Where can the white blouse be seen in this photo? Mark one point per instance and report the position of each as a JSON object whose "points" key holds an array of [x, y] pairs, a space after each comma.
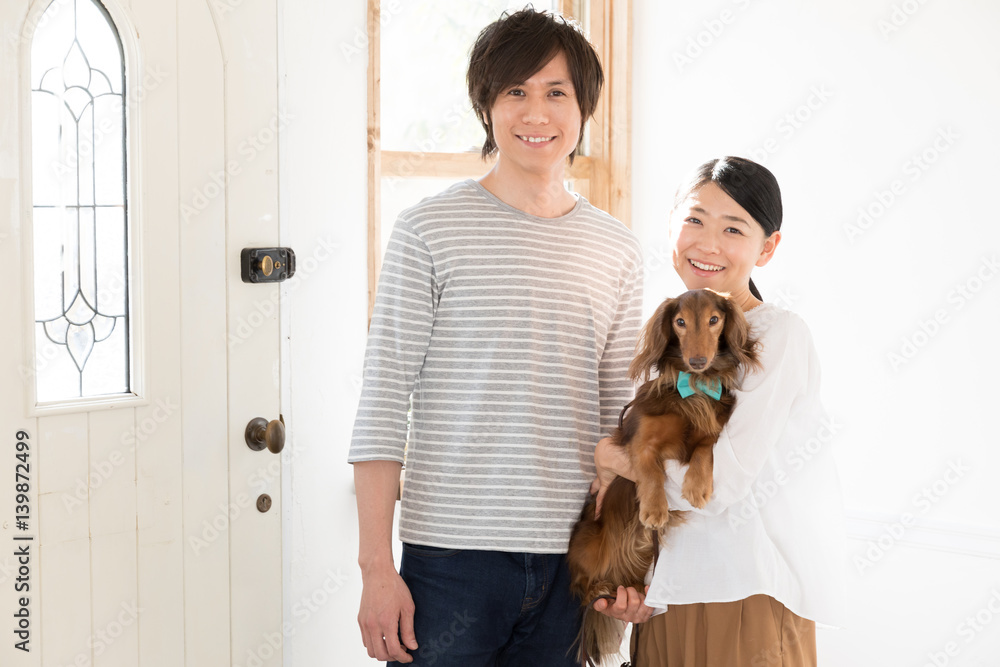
{"points": [[775, 523]]}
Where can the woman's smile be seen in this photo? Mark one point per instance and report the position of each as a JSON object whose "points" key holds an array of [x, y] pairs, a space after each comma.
{"points": [[705, 267]]}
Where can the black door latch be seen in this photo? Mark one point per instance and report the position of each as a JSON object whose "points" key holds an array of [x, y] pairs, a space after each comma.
{"points": [[267, 265]]}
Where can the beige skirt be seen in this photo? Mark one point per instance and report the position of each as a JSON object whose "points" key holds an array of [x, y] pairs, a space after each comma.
{"points": [[756, 632]]}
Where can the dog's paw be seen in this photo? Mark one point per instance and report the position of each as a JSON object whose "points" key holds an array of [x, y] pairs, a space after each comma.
{"points": [[697, 493], [654, 515]]}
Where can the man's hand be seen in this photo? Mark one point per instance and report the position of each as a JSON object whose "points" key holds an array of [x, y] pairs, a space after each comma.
{"points": [[386, 615], [629, 606], [612, 461]]}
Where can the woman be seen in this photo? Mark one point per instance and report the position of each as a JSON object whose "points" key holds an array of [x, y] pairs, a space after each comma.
{"points": [[745, 579]]}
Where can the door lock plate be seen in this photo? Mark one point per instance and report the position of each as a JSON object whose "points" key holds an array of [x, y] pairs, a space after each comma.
{"points": [[267, 265]]}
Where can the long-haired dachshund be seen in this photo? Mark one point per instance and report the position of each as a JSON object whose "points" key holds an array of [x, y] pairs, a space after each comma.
{"points": [[698, 344]]}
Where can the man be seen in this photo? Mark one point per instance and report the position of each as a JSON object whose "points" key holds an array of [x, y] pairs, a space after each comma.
{"points": [[508, 309]]}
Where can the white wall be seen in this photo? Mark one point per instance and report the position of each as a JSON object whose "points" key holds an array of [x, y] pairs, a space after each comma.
{"points": [[324, 213], [845, 102], [877, 102]]}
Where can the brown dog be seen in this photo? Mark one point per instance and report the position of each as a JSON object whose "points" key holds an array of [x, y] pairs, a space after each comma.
{"points": [[698, 344]]}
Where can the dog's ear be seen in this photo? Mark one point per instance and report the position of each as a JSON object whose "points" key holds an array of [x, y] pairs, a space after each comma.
{"points": [[653, 341], [737, 335]]}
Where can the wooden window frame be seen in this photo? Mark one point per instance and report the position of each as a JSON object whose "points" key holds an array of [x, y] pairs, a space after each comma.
{"points": [[603, 175]]}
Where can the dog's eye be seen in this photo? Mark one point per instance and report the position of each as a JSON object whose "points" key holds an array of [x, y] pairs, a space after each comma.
{"points": [[680, 322], [714, 320]]}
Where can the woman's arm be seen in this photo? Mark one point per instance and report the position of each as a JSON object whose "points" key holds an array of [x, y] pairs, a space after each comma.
{"points": [[790, 376]]}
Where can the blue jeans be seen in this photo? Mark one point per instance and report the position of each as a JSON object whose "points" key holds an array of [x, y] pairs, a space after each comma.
{"points": [[490, 608]]}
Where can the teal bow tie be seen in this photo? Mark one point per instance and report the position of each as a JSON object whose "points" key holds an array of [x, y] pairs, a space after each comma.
{"points": [[684, 388]]}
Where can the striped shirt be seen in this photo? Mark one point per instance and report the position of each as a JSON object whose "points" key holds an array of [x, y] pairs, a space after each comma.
{"points": [[513, 334]]}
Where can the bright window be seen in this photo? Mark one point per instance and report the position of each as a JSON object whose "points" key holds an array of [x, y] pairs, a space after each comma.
{"points": [[80, 220], [425, 52], [423, 134]]}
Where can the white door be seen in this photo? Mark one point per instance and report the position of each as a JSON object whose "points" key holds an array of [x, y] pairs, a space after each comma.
{"points": [[129, 527]]}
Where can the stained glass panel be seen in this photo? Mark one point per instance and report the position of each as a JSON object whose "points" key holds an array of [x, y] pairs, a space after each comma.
{"points": [[80, 221]]}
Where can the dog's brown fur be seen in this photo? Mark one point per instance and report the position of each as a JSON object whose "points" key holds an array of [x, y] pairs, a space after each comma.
{"points": [[701, 332]]}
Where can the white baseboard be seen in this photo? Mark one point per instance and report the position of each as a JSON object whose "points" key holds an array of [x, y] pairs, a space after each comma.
{"points": [[967, 540]]}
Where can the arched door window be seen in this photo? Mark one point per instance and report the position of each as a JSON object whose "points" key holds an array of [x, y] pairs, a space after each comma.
{"points": [[80, 223]]}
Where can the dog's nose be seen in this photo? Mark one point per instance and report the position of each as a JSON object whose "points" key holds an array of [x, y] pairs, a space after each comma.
{"points": [[697, 363]]}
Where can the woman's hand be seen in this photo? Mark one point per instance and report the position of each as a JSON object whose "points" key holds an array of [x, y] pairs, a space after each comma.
{"points": [[629, 606], [611, 461]]}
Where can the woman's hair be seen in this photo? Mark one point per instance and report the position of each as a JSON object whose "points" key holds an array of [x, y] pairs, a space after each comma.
{"points": [[750, 185], [516, 46]]}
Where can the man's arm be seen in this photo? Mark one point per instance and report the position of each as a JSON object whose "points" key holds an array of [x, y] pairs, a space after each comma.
{"points": [[615, 387], [609, 459], [386, 613], [397, 342]]}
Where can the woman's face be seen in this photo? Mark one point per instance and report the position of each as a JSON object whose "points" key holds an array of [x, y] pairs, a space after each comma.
{"points": [[716, 243]]}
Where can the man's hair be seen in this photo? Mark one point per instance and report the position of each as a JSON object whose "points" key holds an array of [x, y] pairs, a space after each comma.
{"points": [[516, 46]]}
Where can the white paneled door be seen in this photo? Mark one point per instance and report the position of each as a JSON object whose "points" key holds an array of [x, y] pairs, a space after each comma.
{"points": [[133, 356]]}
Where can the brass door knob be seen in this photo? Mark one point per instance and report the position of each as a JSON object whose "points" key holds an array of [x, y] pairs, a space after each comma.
{"points": [[261, 433]]}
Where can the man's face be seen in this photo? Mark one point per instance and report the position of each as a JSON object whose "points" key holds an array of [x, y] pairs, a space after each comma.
{"points": [[536, 124]]}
